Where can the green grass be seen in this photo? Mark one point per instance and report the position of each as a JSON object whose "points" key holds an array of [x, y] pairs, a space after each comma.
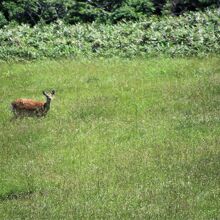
{"points": [[124, 139]]}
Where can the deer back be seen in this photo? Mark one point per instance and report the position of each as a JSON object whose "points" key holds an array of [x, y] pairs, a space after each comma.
{"points": [[28, 107]]}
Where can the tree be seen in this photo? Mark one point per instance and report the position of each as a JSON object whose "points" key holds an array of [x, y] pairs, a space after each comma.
{"points": [[180, 6], [82, 11], [107, 5], [73, 11], [133, 10], [3, 20], [32, 11]]}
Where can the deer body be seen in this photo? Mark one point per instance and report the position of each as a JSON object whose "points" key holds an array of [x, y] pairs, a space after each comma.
{"points": [[29, 107]]}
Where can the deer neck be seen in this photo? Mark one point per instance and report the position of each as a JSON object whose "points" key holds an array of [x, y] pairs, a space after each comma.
{"points": [[47, 105]]}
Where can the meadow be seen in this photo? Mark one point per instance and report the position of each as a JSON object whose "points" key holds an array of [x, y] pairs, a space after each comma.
{"points": [[124, 139]]}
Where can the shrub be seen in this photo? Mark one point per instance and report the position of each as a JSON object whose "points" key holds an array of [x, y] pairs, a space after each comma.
{"points": [[191, 34], [3, 20]]}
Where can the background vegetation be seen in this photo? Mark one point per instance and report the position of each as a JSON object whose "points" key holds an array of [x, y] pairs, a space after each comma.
{"points": [[196, 33], [124, 139], [47, 11]]}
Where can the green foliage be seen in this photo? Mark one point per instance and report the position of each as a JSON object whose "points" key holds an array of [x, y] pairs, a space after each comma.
{"points": [[140, 6], [124, 139], [180, 6], [125, 13], [191, 34], [84, 11], [133, 10], [3, 20], [31, 12], [107, 5]]}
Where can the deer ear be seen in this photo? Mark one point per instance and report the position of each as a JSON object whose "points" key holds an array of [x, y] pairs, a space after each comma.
{"points": [[44, 93], [53, 92]]}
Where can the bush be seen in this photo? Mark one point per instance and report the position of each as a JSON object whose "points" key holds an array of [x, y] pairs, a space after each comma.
{"points": [[133, 10], [83, 11], [3, 20], [191, 34]]}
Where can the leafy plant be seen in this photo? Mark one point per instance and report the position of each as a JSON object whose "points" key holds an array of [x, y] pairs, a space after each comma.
{"points": [[195, 33], [3, 20]]}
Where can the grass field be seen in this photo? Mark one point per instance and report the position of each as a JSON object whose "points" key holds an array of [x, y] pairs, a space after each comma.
{"points": [[124, 139]]}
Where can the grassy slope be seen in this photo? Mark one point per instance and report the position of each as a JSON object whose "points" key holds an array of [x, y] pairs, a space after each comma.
{"points": [[123, 139]]}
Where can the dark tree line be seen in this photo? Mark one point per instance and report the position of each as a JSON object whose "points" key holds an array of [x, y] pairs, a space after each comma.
{"points": [[106, 11]]}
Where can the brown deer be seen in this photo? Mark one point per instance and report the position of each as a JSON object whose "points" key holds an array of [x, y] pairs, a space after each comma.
{"points": [[29, 107]]}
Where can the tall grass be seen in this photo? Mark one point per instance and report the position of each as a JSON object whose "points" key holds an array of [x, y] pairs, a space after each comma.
{"points": [[124, 139]]}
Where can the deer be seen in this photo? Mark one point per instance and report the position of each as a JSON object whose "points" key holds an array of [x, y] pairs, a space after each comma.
{"points": [[29, 107]]}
